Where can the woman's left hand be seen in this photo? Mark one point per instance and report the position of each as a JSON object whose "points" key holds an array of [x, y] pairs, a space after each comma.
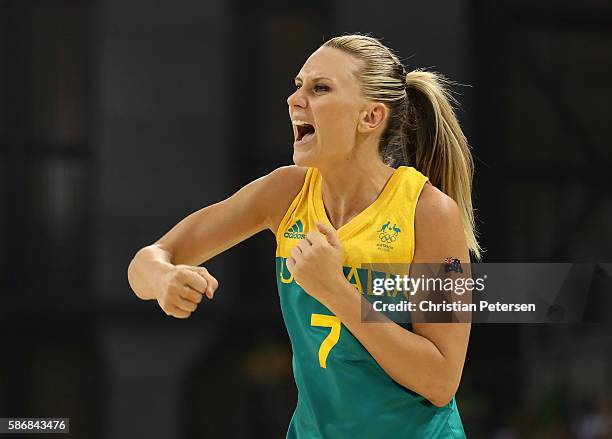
{"points": [[316, 262]]}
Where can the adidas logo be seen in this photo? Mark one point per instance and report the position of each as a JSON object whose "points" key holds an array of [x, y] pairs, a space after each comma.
{"points": [[296, 231]]}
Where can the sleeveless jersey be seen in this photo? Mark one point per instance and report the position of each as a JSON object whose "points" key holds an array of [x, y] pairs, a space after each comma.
{"points": [[342, 391]]}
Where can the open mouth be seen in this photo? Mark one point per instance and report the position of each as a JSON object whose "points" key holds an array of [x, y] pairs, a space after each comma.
{"points": [[304, 133]]}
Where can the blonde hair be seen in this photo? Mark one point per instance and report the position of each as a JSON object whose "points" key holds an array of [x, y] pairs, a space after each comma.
{"points": [[422, 127]]}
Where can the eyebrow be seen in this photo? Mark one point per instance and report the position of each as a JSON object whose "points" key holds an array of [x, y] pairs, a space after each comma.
{"points": [[297, 78]]}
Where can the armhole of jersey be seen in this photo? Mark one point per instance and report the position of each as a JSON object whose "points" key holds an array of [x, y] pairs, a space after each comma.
{"points": [[419, 191], [293, 205]]}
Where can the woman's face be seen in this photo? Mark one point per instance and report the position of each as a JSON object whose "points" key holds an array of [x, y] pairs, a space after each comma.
{"points": [[328, 98]]}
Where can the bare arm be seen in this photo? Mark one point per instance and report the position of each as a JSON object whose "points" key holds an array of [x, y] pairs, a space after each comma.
{"points": [[211, 230], [440, 234]]}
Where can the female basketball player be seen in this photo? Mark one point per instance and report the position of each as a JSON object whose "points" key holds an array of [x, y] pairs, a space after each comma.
{"points": [[342, 205]]}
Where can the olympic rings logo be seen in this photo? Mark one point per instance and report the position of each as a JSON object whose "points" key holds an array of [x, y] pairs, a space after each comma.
{"points": [[388, 233], [386, 237]]}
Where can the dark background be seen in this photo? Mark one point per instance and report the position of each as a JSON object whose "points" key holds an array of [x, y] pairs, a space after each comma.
{"points": [[119, 118]]}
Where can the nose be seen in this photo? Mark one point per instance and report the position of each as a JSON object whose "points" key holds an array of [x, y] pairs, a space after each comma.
{"points": [[296, 99]]}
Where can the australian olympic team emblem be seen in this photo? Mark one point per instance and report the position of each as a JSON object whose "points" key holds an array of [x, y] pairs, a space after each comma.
{"points": [[388, 233]]}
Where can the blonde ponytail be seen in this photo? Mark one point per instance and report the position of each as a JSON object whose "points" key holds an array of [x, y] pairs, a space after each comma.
{"points": [[436, 145]]}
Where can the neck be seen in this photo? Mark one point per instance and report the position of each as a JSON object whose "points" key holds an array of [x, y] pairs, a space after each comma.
{"points": [[350, 187]]}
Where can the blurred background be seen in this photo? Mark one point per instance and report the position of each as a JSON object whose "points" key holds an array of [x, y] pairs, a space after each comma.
{"points": [[118, 119]]}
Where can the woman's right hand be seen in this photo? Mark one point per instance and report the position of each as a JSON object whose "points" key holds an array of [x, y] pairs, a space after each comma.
{"points": [[182, 289], [169, 269]]}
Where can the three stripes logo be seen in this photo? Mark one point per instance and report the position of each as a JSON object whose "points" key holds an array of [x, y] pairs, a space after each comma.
{"points": [[296, 231]]}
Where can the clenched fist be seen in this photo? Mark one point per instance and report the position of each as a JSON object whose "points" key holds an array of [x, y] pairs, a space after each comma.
{"points": [[316, 262], [182, 290]]}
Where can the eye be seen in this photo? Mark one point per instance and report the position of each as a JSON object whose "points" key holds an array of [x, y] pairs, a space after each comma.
{"points": [[319, 87]]}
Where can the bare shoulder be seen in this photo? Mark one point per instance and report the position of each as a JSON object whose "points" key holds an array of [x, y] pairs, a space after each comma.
{"points": [[438, 226], [278, 189], [291, 175], [435, 205]]}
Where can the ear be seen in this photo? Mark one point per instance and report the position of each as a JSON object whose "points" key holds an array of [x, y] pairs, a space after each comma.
{"points": [[372, 117]]}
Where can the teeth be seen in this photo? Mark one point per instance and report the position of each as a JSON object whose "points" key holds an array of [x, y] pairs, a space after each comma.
{"points": [[300, 123]]}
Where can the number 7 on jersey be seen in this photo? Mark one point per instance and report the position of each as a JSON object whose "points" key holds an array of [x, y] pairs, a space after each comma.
{"points": [[330, 341]]}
